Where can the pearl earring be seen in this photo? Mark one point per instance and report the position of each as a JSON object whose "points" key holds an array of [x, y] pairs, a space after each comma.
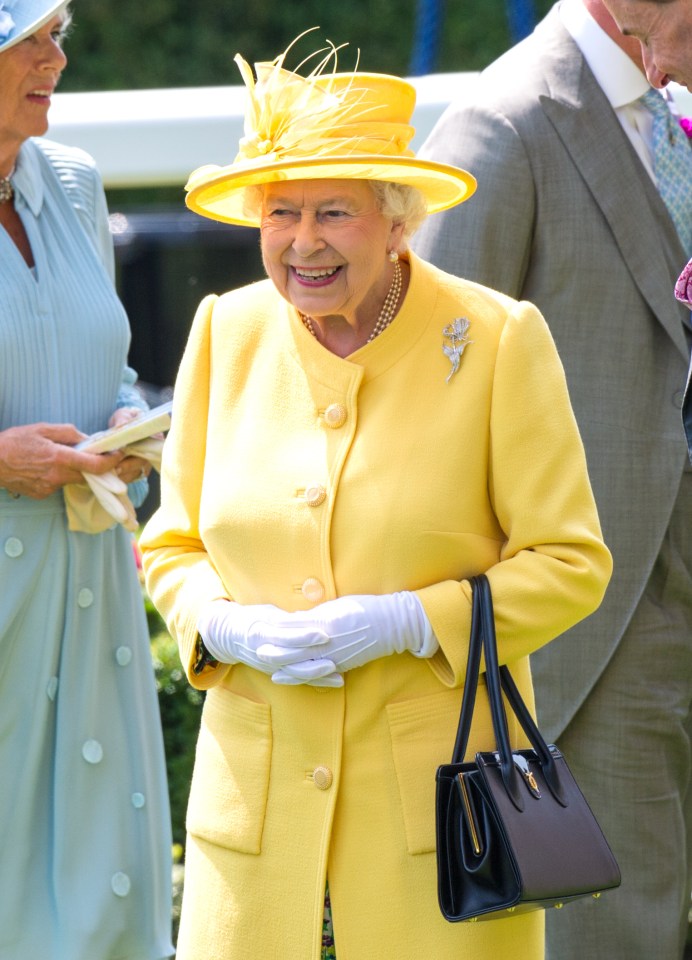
{"points": [[393, 256]]}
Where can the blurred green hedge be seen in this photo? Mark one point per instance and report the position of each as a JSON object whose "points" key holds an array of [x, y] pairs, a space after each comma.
{"points": [[174, 43], [181, 707]]}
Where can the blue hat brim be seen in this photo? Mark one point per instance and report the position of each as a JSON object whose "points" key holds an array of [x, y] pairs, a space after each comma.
{"points": [[29, 16]]}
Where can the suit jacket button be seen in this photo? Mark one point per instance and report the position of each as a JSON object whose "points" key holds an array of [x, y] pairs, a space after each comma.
{"points": [[323, 778], [312, 590], [335, 415], [315, 495]]}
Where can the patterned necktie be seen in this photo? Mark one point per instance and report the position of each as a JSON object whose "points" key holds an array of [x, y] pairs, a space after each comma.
{"points": [[672, 165]]}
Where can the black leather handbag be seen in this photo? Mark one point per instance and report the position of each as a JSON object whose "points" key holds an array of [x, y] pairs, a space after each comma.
{"points": [[514, 832]]}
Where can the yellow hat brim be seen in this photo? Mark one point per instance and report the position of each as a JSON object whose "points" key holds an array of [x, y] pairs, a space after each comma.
{"points": [[217, 192]]}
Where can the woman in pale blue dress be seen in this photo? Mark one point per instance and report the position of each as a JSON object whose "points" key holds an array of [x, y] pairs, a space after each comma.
{"points": [[84, 820]]}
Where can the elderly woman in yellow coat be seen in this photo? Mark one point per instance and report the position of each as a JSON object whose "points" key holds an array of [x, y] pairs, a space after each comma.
{"points": [[352, 439]]}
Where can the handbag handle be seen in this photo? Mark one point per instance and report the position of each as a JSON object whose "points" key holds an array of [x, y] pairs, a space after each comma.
{"points": [[473, 666], [499, 679]]}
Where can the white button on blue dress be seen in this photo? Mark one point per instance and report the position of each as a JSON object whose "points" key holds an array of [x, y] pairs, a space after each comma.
{"points": [[85, 598], [123, 656], [92, 751], [120, 884], [14, 547]]}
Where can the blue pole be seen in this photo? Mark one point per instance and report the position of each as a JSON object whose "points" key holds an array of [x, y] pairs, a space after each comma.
{"points": [[522, 18], [426, 40]]}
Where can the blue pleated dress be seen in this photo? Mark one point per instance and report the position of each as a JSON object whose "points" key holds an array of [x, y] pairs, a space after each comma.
{"points": [[84, 820]]}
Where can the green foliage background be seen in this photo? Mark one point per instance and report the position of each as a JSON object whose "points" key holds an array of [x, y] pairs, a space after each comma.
{"points": [[136, 44], [181, 708]]}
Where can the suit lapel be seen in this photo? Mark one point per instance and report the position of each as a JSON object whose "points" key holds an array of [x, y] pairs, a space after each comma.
{"points": [[587, 126]]}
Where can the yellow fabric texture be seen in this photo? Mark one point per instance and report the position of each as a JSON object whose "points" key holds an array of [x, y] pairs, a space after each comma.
{"points": [[427, 483], [324, 125]]}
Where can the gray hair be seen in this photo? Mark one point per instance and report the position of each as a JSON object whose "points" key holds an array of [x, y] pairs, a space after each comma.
{"points": [[398, 202], [66, 25]]}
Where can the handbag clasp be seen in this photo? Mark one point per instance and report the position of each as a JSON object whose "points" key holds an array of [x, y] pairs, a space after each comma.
{"points": [[522, 765]]}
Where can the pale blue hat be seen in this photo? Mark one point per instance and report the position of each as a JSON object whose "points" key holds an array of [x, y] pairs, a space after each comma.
{"points": [[21, 18]]}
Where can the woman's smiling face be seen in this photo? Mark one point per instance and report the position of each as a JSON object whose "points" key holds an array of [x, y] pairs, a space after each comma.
{"points": [[325, 246]]}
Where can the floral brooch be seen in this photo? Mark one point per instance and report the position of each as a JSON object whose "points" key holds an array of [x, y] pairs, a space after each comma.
{"points": [[455, 341]]}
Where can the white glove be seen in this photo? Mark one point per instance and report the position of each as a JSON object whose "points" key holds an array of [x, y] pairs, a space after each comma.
{"points": [[95, 505], [98, 503], [111, 493], [349, 631], [232, 632]]}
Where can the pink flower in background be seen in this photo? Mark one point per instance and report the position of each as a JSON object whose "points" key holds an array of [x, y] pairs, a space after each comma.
{"points": [[683, 288], [137, 554]]}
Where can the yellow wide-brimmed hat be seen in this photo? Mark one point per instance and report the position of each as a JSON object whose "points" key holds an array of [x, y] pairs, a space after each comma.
{"points": [[324, 126]]}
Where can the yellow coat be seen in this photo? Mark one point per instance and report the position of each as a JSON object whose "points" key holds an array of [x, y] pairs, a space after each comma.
{"points": [[292, 476]]}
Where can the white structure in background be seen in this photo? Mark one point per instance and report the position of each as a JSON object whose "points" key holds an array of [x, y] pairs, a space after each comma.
{"points": [[157, 137]]}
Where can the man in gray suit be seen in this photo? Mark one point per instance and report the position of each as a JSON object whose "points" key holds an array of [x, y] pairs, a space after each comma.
{"points": [[567, 215], [664, 28]]}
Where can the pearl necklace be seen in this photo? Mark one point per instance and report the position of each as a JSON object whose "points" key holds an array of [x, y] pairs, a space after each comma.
{"points": [[6, 188], [387, 313]]}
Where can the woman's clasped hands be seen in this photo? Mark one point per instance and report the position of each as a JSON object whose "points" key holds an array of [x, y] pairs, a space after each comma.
{"points": [[317, 646]]}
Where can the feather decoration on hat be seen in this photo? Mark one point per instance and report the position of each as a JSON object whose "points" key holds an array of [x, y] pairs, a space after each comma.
{"points": [[323, 113]]}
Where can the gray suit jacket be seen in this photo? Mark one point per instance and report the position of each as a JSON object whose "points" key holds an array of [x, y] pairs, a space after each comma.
{"points": [[566, 216]]}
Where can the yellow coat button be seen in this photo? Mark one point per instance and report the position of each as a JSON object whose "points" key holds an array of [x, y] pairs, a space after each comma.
{"points": [[323, 778], [316, 495], [335, 415], [312, 590]]}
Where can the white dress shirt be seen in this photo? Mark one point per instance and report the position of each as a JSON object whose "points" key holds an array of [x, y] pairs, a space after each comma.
{"points": [[617, 75]]}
